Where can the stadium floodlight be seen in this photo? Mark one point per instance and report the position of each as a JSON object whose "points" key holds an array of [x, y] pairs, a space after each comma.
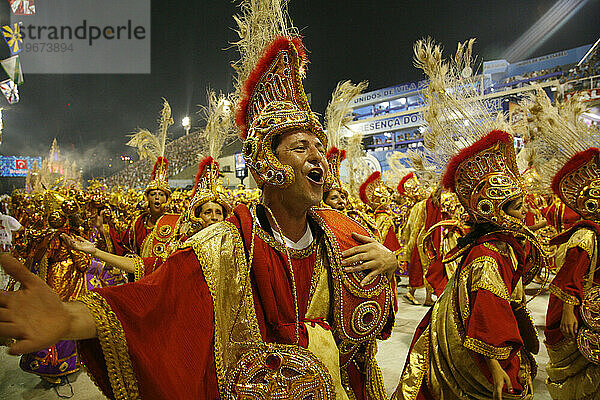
{"points": [[186, 123], [543, 29]]}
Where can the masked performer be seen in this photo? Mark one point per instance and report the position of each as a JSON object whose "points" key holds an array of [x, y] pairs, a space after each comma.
{"points": [[475, 343], [260, 304], [572, 323]]}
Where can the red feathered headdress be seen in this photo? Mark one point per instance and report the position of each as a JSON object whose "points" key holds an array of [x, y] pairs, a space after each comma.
{"points": [[161, 164], [578, 181], [248, 110], [335, 157], [273, 102], [485, 178], [206, 173], [467, 153], [159, 178], [206, 188], [367, 189], [337, 153], [404, 179]]}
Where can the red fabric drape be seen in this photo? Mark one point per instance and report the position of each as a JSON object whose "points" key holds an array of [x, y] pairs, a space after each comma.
{"points": [[125, 242]]}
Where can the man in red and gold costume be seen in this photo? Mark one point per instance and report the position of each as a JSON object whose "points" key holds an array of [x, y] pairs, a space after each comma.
{"points": [[208, 206], [442, 238], [423, 215], [280, 299], [572, 320], [376, 195], [148, 233]]}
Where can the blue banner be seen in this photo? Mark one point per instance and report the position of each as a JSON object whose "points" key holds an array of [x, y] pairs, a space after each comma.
{"points": [[387, 93], [11, 166]]}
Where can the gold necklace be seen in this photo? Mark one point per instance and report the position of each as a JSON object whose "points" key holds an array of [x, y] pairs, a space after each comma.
{"points": [[147, 223]]}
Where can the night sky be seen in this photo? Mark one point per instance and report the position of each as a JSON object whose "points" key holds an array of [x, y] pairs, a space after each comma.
{"points": [[356, 40]]}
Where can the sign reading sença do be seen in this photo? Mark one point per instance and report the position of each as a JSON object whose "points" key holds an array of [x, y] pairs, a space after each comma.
{"points": [[388, 124], [86, 37]]}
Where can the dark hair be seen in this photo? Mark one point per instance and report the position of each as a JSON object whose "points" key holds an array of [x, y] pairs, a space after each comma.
{"points": [[275, 143], [477, 231]]}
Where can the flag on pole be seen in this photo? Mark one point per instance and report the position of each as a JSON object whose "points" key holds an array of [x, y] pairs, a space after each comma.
{"points": [[22, 7], [12, 36], [10, 91], [12, 66]]}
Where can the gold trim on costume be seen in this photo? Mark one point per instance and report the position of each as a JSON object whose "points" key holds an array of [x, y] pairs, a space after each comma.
{"points": [[565, 297], [487, 350], [485, 275], [114, 347], [139, 270], [220, 251], [294, 253], [585, 239]]}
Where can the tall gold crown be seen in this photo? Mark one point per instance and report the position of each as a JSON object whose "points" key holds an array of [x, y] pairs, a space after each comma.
{"points": [[273, 102]]}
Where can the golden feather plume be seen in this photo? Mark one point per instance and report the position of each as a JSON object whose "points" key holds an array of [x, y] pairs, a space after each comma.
{"points": [[557, 131], [150, 146], [339, 111], [220, 128], [259, 23], [358, 169], [456, 114], [397, 169]]}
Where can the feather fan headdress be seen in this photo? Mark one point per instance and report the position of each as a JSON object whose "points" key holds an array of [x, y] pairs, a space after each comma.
{"points": [[271, 98], [568, 148], [259, 24], [358, 168], [337, 116], [152, 147], [339, 111], [456, 115], [475, 146]]}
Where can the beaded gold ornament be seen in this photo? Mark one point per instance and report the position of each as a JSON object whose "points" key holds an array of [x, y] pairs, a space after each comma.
{"points": [[273, 102]]}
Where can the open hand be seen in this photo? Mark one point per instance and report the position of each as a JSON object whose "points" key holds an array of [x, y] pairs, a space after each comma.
{"points": [[78, 244], [34, 315], [370, 255]]}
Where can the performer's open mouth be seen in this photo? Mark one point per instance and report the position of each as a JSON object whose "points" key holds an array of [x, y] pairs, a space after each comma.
{"points": [[316, 176]]}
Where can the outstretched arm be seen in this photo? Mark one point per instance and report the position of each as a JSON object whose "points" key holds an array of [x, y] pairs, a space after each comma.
{"points": [[123, 263], [35, 316]]}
